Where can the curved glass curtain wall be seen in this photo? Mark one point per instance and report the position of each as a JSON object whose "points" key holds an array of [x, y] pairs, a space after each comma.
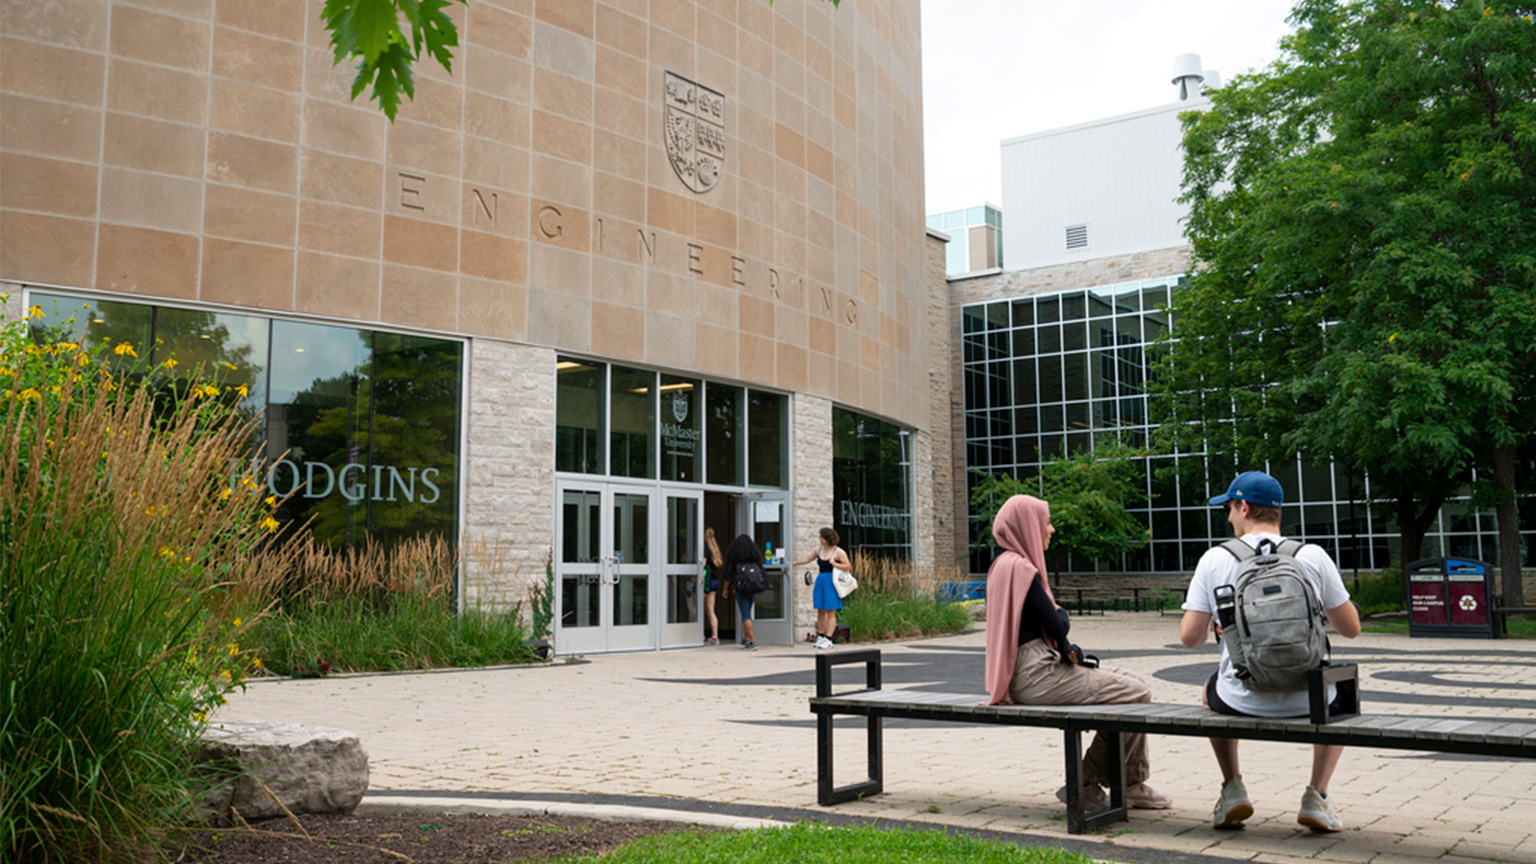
{"points": [[871, 485], [360, 429], [1051, 375]]}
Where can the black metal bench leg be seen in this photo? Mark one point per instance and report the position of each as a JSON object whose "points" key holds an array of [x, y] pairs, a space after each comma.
{"points": [[828, 794], [1079, 822]]}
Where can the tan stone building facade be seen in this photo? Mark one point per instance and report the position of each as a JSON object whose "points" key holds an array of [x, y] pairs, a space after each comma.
{"points": [[726, 190]]}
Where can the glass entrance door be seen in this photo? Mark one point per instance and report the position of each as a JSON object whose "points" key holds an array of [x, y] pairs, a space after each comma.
{"points": [[682, 568], [765, 516], [603, 568]]}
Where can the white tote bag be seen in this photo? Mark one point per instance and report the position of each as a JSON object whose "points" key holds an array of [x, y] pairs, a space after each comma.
{"points": [[843, 581]]}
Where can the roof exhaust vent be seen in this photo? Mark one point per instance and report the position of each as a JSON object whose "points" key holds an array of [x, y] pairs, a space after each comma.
{"points": [[1187, 75]]}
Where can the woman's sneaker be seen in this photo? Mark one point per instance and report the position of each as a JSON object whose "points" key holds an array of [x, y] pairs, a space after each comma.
{"points": [[823, 643], [711, 641], [1317, 812], [750, 646], [1233, 806]]}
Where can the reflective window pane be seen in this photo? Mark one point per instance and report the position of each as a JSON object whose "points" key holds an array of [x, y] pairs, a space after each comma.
{"points": [[579, 415], [318, 415], [767, 439], [682, 428], [632, 421], [722, 434]]}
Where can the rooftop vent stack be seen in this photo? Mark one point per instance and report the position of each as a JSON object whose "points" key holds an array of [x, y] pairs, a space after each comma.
{"points": [[1187, 75], [1212, 81]]}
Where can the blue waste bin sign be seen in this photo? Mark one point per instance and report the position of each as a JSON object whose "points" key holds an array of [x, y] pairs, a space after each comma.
{"points": [[1451, 597]]}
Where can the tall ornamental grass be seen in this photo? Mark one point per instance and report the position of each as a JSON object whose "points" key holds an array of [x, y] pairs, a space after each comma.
{"points": [[378, 608], [119, 531], [896, 600]]}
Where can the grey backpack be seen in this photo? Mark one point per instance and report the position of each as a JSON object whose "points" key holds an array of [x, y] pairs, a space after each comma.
{"points": [[1277, 629]]}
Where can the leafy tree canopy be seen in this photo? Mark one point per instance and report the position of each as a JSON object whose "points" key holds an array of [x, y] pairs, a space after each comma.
{"points": [[1088, 494], [1360, 214]]}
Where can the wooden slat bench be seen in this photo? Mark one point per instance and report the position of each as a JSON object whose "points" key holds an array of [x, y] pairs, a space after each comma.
{"points": [[1348, 727]]}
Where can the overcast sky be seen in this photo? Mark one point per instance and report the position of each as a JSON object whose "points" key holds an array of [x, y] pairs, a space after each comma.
{"points": [[997, 69]]}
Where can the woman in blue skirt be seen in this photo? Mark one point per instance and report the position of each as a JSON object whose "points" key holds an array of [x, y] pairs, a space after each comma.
{"points": [[824, 596]]}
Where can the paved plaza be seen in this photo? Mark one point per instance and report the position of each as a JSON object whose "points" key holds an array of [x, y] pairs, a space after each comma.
{"points": [[719, 733]]}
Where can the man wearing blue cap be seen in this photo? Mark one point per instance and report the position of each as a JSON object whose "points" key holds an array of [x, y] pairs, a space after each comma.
{"points": [[1253, 504]]}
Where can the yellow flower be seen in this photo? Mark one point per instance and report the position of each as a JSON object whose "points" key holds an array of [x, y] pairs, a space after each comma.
{"points": [[271, 500], [256, 661], [29, 393], [170, 363], [124, 348], [270, 524], [224, 495], [237, 622], [234, 648], [1392, 338], [223, 674], [34, 312], [243, 391], [210, 390], [167, 552]]}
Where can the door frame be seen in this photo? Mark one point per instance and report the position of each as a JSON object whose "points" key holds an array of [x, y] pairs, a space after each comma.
{"points": [[605, 572], [684, 633], [778, 627]]}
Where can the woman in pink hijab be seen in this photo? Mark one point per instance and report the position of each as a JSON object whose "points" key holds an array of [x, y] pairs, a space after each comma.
{"points": [[1027, 661]]}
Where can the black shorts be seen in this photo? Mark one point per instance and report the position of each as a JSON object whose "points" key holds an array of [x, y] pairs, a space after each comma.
{"points": [[1213, 701]]}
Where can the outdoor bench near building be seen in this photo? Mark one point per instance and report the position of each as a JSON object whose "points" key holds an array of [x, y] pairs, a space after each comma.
{"points": [[1348, 728]]}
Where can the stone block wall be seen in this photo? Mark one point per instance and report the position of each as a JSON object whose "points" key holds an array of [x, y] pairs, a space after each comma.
{"points": [[811, 479], [511, 462]]}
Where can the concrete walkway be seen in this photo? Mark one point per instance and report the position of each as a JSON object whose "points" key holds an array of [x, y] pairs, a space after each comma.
{"points": [[727, 732]]}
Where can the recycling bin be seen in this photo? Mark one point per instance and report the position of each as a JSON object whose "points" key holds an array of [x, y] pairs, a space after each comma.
{"points": [[1451, 597]]}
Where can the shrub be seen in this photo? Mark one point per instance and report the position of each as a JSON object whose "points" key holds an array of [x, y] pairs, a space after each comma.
{"points": [[118, 534], [895, 600], [378, 608]]}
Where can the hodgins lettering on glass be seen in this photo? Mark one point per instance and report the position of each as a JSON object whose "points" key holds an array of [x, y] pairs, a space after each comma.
{"points": [[319, 480]]}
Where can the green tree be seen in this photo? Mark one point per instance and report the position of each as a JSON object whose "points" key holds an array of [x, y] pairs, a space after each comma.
{"points": [[1088, 494], [1360, 214]]}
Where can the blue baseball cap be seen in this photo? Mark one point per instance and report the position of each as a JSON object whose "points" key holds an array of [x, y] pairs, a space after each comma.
{"points": [[1255, 487]]}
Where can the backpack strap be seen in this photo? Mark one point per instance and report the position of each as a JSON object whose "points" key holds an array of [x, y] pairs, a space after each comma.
{"points": [[1240, 550], [1289, 547]]}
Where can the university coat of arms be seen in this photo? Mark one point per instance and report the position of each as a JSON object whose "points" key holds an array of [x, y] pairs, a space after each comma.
{"points": [[695, 132]]}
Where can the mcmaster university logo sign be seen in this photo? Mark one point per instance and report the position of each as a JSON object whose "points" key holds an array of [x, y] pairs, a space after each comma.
{"points": [[695, 132]]}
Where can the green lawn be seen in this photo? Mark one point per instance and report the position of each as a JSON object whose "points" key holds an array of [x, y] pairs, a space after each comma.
{"points": [[809, 841], [1519, 628]]}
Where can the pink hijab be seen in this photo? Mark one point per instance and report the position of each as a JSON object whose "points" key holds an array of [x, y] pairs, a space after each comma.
{"points": [[1019, 529]]}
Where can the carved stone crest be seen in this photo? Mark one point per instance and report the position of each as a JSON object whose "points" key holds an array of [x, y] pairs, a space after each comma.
{"points": [[695, 132]]}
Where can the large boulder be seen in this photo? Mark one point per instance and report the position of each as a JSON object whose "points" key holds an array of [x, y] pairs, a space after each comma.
{"points": [[272, 766]]}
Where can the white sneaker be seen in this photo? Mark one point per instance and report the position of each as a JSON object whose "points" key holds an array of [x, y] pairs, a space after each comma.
{"points": [[1233, 806], [1317, 812], [823, 643]]}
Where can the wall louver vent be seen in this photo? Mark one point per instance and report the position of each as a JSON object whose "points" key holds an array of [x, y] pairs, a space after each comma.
{"points": [[1077, 236]]}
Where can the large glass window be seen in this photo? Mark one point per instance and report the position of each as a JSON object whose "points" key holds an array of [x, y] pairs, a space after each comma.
{"points": [[579, 415], [768, 439], [871, 484], [632, 419], [722, 434], [682, 418], [360, 429], [1063, 400]]}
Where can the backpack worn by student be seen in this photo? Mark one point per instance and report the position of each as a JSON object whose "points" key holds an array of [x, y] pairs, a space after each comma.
{"points": [[750, 578], [1271, 619]]}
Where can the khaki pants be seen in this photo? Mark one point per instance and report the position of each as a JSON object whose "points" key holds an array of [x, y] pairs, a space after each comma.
{"points": [[1040, 678]]}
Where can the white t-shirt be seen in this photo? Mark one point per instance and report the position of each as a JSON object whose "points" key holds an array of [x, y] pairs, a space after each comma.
{"points": [[1219, 567]]}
